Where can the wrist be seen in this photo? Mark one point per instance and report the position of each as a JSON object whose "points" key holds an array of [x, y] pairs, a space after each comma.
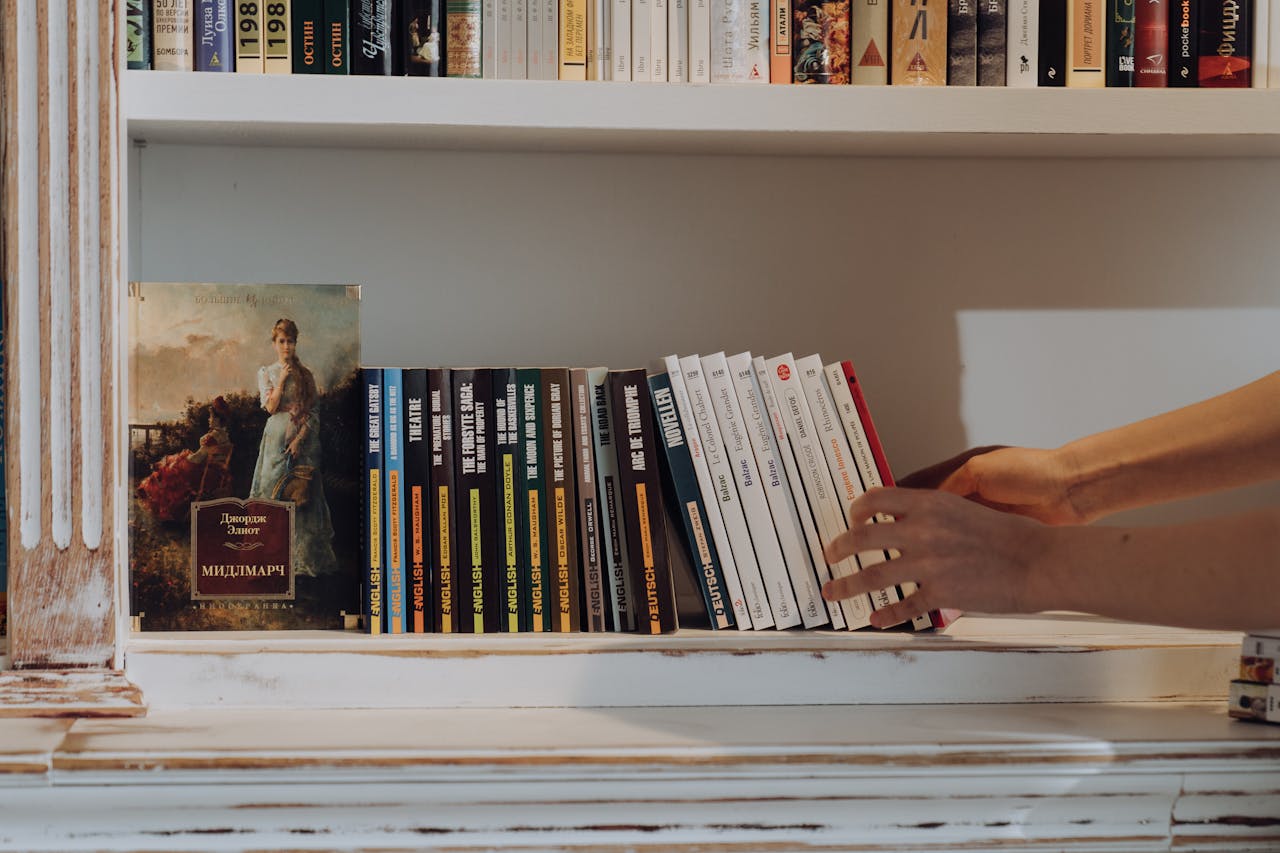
{"points": [[1087, 480]]}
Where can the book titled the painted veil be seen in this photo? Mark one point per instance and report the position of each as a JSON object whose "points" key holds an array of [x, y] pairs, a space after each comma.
{"points": [[245, 455]]}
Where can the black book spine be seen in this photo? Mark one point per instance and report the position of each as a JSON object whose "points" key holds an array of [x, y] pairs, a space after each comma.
{"points": [[308, 36], [992, 42], [420, 38], [962, 42], [561, 502], [417, 491], [506, 447], [642, 500], [374, 555], [1052, 60], [534, 594], [371, 37], [446, 597], [137, 33], [1184, 44], [336, 40], [584, 463], [1120, 18], [476, 530], [1226, 44]]}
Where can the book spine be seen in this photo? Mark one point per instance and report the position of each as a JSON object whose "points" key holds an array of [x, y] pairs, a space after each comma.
{"points": [[417, 492], [1086, 44], [172, 23], [489, 38], [962, 42], [550, 39], [422, 38], [1258, 669], [1024, 44], [678, 41], [1184, 44], [277, 54], [642, 41], [613, 535], [993, 45], [463, 36], [505, 22], [1260, 647], [779, 38], [509, 497], [1273, 42], [598, 39], [642, 505], [1051, 64], [820, 43], [869, 40], [572, 39], [374, 618], [533, 40], [475, 531], [248, 37], [725, 494], [535, 595], [782, 512], [371, 53], [840, 462], [919, 40], [308, 38], [593, 587], [336, 30], [755, 505], [446, 593], [1121, 58], [620, 55], [819, 489], [658, 40], [1261, 67], [738, 50], [137, 33], [1151, 44], [561, 501], [711, 504], [1251, 701], [519, 39], [699, 41], [786, 453], [393, 457], [1225, 50], [678, 466]]}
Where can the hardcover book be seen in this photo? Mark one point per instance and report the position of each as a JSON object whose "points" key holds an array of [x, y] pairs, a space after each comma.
{"points": [[371, 35], [820, 41], [1184, 44], [992, 42], [870, 41], [336, 37], [417, 497], [919, 44], [1151, 46], [1086, 44], [1052, 59], [246, 456], [172, 23], [1226, 44], [447, 600], [277, 48], [779, 38], [1023, 44], [739, 39], [137, 33], [1120, 43], [308, 37], [214, 25], [462, 37], [422, 38], [962, 42]]}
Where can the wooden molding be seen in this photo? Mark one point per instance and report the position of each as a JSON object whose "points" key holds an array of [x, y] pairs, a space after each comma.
{"points": [[69, 693], [60, 232]]}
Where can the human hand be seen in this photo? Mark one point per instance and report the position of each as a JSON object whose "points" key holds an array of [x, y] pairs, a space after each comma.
{"points": [[294, 446], [1021, 480], [959, 554]]}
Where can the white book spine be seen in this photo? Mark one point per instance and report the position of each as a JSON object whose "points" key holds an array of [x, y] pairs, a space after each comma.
{"points": [[773, 480], [620, 40], [533, 40], [791, 466], [719, 535], [490, 36], [641, 41], [1261, 41], [1260, 647], [504, 38], [1273, 49], [173, 28], [819, 489], [658, 40], [613, 538], [519, 39], [699, 41], [1022, 43], [725, 494], [600, 65], [757, 36], [844, 473], [860, 448], [550, 40], [678, 41], [755, 505], [739, 41]]}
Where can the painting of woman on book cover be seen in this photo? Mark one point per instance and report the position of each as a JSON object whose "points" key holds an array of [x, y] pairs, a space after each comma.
{"points": [[245, 456]]}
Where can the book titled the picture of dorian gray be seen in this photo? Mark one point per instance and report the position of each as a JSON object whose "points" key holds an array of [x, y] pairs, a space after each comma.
{"points": [[245, 455]]}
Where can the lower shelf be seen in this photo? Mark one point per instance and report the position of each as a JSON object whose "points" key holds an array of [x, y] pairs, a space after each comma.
{"points": [[1054, 658]]}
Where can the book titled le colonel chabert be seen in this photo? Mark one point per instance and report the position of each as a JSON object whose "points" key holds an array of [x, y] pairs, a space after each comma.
{"points": [[246, 432]]}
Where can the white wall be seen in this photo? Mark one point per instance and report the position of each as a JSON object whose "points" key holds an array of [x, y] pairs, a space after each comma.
{"points": [[1021, 301]]}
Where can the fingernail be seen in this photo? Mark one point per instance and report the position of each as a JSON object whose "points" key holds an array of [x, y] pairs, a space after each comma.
{"points": [[826, 591]]}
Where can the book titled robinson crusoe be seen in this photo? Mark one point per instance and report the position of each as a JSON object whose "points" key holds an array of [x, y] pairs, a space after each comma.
{"points": [[247, 417]]}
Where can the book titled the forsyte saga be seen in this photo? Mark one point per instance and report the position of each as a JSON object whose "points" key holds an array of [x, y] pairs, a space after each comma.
{"points": [[245, 426]]}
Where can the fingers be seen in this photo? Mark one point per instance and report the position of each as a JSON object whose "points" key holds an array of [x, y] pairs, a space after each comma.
{"points": [[894, 501], [861, 538], [877, 577], [902, 611], [933, 476]]}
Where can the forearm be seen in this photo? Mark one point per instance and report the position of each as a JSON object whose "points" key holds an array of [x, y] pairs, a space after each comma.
{"points": [[1219, 574], [1226, 441]]}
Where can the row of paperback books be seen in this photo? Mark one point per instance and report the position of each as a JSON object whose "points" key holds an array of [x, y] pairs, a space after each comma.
{"points": [[1021, 43], [538, 499], [1255, 695]]}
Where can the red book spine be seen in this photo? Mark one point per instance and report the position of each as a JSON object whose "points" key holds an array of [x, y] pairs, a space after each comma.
{"points": [[1151, 49]]}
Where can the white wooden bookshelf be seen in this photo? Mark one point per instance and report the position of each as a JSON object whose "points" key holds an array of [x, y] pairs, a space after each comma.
{"points": [[309, 110]]}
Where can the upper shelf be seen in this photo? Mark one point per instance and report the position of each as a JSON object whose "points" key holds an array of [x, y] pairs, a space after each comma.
{"points": [[525, 115]]}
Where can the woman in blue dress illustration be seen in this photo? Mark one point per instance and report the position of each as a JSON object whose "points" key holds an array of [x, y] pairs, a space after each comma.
{"points": [[288, 466]]}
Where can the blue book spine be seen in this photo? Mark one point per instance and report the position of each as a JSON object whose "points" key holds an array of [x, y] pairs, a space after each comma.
{"points": [[214, 31], [684, 486], [397, 577], [374, 619]]}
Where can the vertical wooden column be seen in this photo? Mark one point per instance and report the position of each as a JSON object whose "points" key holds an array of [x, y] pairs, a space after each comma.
{"points": [[61, 263]]}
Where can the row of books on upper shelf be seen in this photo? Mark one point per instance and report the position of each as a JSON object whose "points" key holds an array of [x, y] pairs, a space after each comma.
{"points": [[1021, 43], [558, 499], [1255, 695]]}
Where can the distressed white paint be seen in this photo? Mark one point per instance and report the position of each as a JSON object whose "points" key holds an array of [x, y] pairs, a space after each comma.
{"points": [[58, 123], [91, 288], [29, 392]]}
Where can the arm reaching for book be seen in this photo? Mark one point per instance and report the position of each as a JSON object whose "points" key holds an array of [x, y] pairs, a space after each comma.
{"points": [[1217, 574]]}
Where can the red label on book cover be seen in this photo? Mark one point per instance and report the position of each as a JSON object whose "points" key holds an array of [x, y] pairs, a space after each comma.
{"points": [[241, 549]]}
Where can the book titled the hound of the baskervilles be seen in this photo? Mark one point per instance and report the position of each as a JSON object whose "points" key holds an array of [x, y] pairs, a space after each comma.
{"points": [[245, 456]]}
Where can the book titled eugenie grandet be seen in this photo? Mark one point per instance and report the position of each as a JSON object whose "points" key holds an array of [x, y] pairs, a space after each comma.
{"points": [[245, 424]]}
